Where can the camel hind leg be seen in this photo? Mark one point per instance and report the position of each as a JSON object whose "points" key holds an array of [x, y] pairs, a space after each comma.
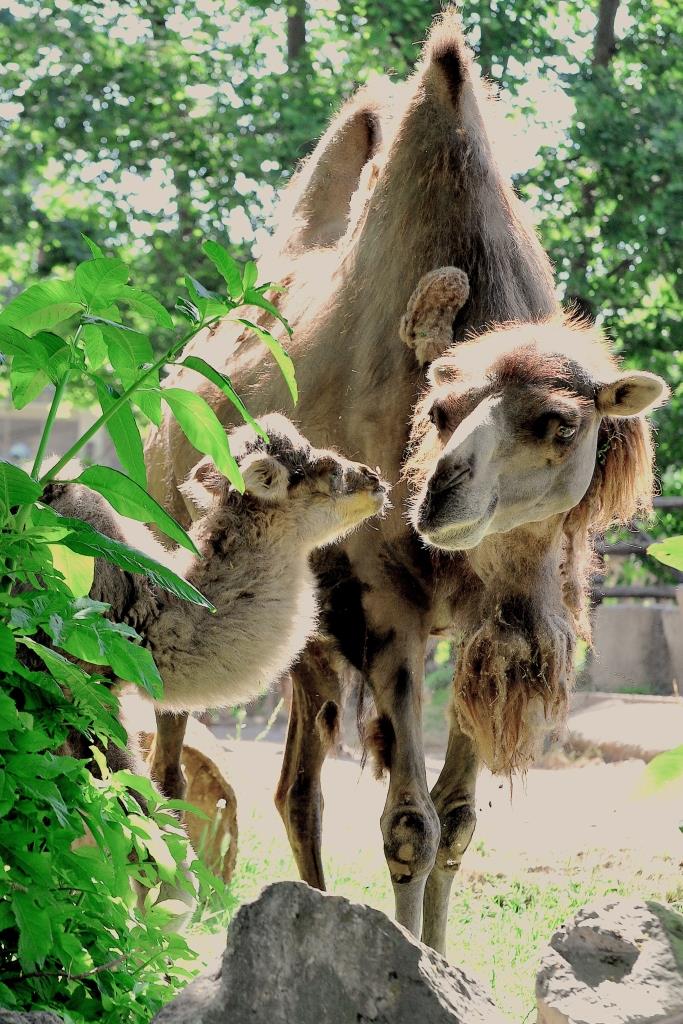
{"points": [[453, 797], [312, 731], [167, 747]]}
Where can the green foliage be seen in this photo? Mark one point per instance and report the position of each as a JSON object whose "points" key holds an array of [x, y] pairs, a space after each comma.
{"points": [[663, 771], [159, 124], [607, 196], [669, 552], [94, 865]]}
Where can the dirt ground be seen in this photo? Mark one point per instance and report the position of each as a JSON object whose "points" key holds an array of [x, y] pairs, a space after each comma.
{"points": [[553, 816]]}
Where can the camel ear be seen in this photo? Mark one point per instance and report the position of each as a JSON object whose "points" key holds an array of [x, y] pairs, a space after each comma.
{"points": [[320, 194], [631, 394], [204, 487], [427, 324], [264, 477], [443, 371]]}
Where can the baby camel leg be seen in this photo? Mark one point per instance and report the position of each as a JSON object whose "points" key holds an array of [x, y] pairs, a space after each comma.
{"points": [[453, 796], [312, 731], [167, 747]]}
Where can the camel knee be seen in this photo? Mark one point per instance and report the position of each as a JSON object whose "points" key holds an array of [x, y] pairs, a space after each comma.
{"points": [[457, 829], [411, 840]]}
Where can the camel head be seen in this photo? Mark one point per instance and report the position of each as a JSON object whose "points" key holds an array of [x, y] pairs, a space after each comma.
{"points": [[516, 425], [312, 493]]}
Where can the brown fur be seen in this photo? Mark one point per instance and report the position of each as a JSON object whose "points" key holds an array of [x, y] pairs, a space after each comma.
{"points": [[253, 564], [379, 740], [405, 181], [515, 654]]}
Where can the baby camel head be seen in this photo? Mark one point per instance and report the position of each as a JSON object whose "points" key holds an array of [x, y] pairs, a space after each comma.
{"points": [[312, 493], [514, 427]]}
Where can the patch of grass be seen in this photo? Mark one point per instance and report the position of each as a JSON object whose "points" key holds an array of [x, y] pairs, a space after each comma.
{"points": [[498, 922]]}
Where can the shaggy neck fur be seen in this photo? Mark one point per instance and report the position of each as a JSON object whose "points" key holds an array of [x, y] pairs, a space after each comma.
{"points": [[254, 570], [516, 641]]}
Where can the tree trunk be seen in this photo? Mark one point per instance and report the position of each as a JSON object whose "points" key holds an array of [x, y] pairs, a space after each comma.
{"points": [[604, 47], [605, 41], [296, 31]]}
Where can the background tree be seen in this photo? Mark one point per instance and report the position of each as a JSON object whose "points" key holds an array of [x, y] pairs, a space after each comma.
{"points": [[152, 124]]}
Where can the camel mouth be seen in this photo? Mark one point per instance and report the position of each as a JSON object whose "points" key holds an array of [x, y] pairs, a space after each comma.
{"points": [[367, 483], [442, 527]]}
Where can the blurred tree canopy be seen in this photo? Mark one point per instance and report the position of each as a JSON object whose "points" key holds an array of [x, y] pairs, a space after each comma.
{"points": [[154, 123]]}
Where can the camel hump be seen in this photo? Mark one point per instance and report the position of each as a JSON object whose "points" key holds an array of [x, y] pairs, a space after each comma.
{"points": [[447, 59]]}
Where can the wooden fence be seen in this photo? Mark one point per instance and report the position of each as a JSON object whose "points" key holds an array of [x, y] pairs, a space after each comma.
{"points": [[638, 545]]}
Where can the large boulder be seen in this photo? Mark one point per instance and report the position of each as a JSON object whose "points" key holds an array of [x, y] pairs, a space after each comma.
{"points": [[299, 956], [33, 1017], [620, 961]]}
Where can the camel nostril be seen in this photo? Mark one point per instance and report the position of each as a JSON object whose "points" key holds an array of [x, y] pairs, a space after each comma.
{"points": [[449, 476]]}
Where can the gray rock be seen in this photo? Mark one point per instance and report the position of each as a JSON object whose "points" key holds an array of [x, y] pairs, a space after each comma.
{"points": [[617, 962], [34, 1017], [299, 956]]}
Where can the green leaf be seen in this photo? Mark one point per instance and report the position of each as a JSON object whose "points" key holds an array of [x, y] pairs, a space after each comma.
{"points": [[249, 276], [28, 378], [663, 770], [204, 430], [208, 303], [129, 499], [188, 311], [254, 297], [78, 570], [14, 342], [227, 267], [101, 642], [146, 305], [669, 552], [280, 355], [63, 670], [88, 541], [35, 930], [129, 353], [225, 384], [57, 354], [38, 361], [93, 246], [42, 305], [16, 486], [134, 664], [93, 343], [124, 433], [101, 279], [8, 647]]}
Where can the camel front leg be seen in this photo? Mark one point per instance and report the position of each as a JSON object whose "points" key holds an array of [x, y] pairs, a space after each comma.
{"points": [[312, 731], [409, 822], [166, 751], [453, 796]]}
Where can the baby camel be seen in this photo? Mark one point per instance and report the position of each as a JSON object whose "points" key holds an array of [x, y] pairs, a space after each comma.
{"points": [[253, 565]]}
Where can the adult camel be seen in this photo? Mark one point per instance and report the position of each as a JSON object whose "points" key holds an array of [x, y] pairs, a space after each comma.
{"points": [[405, 180]]}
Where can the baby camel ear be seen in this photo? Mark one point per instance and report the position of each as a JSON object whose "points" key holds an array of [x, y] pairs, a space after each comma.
{"points": [[264, 477], [203, 487], [631, 394]]}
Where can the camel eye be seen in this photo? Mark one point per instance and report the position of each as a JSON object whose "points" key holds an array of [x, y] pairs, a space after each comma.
{"points": [[565, 432], [438, 416]]}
